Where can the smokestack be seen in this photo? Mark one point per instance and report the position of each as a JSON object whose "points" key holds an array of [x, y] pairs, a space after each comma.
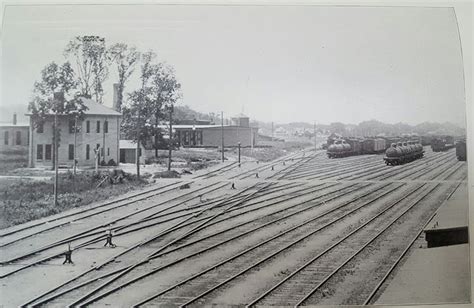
{"points": [[14, 118], [116, 104]]}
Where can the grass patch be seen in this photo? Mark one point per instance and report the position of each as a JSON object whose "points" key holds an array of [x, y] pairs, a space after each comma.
{"points": [[24, 200], [11, 159]]}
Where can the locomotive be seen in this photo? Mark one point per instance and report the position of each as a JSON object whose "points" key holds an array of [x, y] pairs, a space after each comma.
{"points": [[403, 152], [461, 150]]}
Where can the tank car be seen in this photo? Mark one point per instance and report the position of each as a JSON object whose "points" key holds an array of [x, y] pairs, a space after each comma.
{"points": [[339, 148], [461, 152], [403, 152]]}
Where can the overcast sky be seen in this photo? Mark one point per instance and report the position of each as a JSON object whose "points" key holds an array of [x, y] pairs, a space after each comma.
{"points": [[281, 64]]}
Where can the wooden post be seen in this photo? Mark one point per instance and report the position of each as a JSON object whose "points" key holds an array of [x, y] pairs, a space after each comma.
{"points": [[75, 145], [239, 154], [137, 151], [170, 138], [56, 160]]}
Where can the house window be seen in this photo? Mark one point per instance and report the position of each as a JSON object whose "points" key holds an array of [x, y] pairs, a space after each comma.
{"points": [[98, 127], [47, 152], [199, 137], [5, 138], [18, 138], [71, 126], [71, 152], [39, 151], [88, 126], [88, 151], [186, 137], [108, 151], [106, 126], [40, 128]]}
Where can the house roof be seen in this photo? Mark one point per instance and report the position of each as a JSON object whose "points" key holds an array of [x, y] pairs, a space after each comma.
{"points": [[98, 109], [127, 144], [240, 115], [22, 125], [94, 108]]}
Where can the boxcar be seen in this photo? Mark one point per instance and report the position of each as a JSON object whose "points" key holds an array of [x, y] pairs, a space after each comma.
{"points": [[461, 151]]}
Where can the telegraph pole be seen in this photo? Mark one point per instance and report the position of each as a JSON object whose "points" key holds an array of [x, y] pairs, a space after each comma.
{"points": [[75, 144], [56, 159], [170, 138], [58, 97], [137, 152], [222, 134], [239, 154]]}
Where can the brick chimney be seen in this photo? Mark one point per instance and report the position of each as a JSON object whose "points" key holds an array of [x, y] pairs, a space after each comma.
{"points": [[115, 105], [14, 118]]}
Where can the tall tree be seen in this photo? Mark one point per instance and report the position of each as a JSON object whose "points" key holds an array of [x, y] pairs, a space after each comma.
{"points": [[125, 59], [135, 115], [90, 55], [53, 97], [165, 91]]}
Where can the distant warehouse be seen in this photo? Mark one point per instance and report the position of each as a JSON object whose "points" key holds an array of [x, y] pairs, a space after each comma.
{"points": [[210, 135]]}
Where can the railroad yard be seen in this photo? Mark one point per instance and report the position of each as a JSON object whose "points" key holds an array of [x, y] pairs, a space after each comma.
{"points": [[303, 229]]}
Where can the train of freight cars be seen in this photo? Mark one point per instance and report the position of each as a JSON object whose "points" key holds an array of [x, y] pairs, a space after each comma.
{"points": [[342, 147], [397, 152]]}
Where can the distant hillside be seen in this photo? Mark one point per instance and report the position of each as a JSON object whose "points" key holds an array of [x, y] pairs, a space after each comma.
{"points": [[365, 128]]}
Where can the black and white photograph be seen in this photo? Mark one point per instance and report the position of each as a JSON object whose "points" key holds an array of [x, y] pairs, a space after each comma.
{"points": [[242, 154]]}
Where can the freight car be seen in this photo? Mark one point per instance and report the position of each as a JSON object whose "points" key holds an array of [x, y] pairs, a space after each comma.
{"points": [[403, 152], [373, 146], [353, 146], [461, 151], [339, 148], [442, 144]]}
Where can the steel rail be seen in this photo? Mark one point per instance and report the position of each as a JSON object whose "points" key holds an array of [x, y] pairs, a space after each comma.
{"points": [[405, 251], [352, 256], [271, 239]]}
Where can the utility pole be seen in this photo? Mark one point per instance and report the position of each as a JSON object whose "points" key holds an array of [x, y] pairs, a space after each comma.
{"points": [[137, 151], [75, 145], [170, 137], [239, 154], [103, 139], [56, 160], [222, 134]]}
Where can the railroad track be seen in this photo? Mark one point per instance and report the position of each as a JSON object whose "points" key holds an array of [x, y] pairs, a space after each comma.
{"points": [[209, 233]]}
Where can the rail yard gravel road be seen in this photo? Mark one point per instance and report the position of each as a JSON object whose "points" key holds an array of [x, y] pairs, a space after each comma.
{"points": [[300, 230]]}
